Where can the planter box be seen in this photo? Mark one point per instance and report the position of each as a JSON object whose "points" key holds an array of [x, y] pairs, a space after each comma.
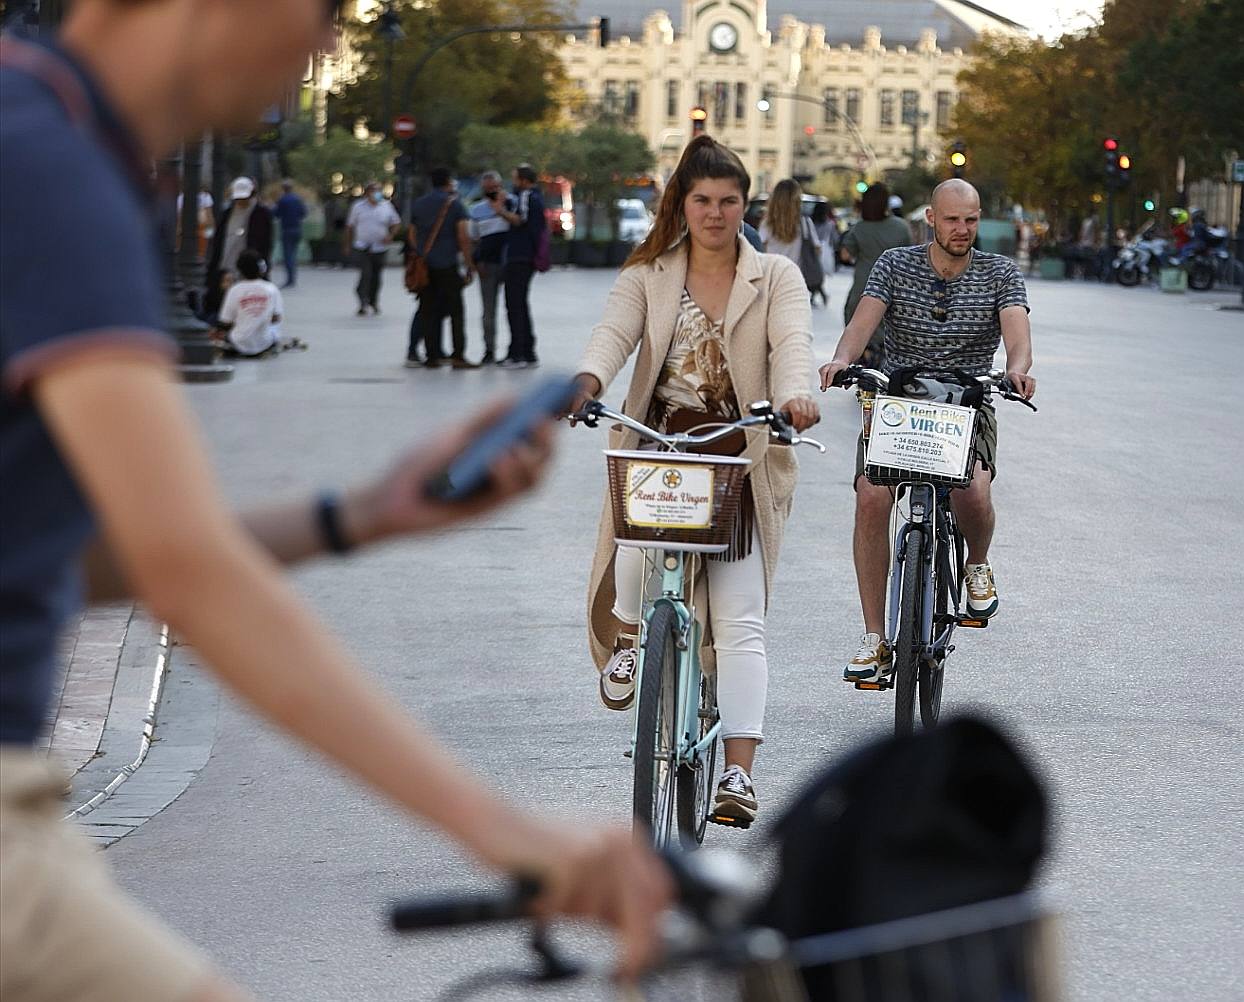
{"points": [[559, 251], [619, 251], [326, 251], [1052, 267], [1173, 280], [589, 254]]}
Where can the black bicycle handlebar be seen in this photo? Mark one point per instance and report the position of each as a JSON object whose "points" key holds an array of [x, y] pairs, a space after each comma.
{"points": [[453, 910], [875, 380]]}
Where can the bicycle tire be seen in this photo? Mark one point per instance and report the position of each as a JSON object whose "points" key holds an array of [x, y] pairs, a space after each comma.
{"points": [[933, 676], [695, 783], [906, 659], [656, 777]]}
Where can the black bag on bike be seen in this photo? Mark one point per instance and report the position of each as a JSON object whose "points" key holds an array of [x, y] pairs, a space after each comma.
{"points": [[907, 826]]}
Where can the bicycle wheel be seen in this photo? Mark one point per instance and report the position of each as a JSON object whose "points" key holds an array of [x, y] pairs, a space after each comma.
{"points": [[906, 654], [657, 719], [695, 782], [946, 576]]}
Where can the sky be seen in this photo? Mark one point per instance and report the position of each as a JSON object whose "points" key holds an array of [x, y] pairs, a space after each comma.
{"points": [[1049, 18]]}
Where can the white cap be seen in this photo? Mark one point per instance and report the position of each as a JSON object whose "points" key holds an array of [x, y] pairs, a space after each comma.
{"points": [[895, 202], [242, 187]]}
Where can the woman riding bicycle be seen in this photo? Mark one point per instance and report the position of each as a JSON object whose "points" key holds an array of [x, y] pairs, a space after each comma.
{"points": [[717, 326]]}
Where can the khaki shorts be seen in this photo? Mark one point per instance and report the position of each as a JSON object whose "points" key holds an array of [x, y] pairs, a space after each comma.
{"points": [[986, 447], [66, 931]]}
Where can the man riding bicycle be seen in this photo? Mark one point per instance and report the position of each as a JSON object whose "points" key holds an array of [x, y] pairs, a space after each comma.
{"points": [[944, 306]]}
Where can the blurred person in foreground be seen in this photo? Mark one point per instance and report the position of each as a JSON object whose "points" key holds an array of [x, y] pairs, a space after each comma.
{"points": [[98, 444]]}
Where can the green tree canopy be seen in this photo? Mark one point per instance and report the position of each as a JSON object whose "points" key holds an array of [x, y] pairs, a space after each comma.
{"points": [[341, 162], [1165, 77], [489, 79]]}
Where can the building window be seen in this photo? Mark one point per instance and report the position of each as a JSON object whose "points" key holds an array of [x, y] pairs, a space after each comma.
{"points": [[671, 99], [830, 97], [613, 100], [632, 99], [740, 102], [701, 95], [721, 103], [767, 97], [943, 110], [911, 106], [853, 104], [887, 108]]}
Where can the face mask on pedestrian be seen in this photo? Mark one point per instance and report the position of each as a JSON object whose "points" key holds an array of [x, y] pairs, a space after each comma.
{"points": [[377, 197]]}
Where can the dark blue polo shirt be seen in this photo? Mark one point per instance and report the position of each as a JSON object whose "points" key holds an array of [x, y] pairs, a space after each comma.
{"points": [[79, 273]]}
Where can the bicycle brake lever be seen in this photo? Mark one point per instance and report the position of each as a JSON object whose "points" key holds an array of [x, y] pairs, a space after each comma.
{"points": [[801, 440]]}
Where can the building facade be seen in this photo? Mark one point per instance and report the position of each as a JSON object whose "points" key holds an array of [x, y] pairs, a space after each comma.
{"points": [[841, 97]]}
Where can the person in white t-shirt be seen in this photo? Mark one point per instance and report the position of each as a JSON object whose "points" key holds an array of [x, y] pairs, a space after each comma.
{"points": [[250, 316]]}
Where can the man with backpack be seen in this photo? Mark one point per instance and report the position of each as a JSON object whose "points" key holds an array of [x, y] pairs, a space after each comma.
{"points": [[526, 252]]}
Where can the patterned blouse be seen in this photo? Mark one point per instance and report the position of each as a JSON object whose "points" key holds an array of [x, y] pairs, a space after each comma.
{"points": [[695, 374]]}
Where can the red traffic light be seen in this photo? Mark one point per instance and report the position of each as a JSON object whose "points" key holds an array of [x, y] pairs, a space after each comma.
{"points": [[809, 130], [1111, 144]]}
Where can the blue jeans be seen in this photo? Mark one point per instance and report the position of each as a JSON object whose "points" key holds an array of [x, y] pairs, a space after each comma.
{"points": [[289, 252]]}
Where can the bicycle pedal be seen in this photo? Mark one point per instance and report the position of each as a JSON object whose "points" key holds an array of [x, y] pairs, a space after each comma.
{"points": [[872, 686], [728, 822], [973, 624]]}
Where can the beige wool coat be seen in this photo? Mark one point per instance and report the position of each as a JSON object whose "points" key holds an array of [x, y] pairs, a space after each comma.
{"points": [[768, 347]]}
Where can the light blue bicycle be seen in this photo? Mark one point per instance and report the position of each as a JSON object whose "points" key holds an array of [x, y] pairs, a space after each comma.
{"points": [[677, 506]]}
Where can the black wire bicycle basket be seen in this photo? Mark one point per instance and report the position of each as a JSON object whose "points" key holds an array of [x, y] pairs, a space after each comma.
{"points": [[892, 476]]}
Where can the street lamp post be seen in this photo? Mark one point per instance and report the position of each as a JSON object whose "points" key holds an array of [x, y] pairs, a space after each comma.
{"points": [[915, 120], [765, 103]]}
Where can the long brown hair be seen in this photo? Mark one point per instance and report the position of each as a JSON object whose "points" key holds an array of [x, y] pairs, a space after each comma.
{"points": [[703, 157], [785, 211]]}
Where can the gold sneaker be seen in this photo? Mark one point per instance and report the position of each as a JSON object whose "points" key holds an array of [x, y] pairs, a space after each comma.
{"points": [[982, 595], [874, 660]]}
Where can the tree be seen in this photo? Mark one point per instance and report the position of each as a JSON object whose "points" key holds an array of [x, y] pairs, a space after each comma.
{"points": [[340, 163], [491, 79], [598, 159], [1165, 77]]}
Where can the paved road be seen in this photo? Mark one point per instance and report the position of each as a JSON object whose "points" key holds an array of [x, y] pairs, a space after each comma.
{"points": [[1116, 658]]}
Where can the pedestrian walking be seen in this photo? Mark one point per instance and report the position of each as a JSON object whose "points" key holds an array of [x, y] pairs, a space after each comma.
{"points": [[717, 326], [250, 315], [877, 231], [245, 224], [370, 227], [290, 211], [529, 229], [488, 235], [438, 234], [96, 432], [826, 225], [785, 231]]}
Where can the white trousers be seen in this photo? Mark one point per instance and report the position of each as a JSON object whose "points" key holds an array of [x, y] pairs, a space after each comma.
{"points": [[736, 601]]}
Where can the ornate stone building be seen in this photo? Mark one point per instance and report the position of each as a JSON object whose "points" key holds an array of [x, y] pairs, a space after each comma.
{"points": [[852, 85]]}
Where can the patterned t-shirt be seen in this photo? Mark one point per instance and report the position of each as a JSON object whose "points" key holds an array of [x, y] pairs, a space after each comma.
{"points": [[969, 336]]}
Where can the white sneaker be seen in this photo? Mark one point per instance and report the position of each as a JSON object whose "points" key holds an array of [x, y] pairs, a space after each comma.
{"points": [[617, 681], [982, 594], [735, 804], [874, 660]]}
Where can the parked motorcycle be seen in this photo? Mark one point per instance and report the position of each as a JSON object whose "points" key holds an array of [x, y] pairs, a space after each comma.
{"points": [[1204, 265], [1140, 258]]}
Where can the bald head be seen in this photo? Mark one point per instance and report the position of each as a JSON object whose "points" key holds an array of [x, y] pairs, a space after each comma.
{"points": [[955, 190], [954, 212]]}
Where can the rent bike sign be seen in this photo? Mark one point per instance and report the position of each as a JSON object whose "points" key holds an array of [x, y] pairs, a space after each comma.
{"points": [[669, 495], [923, 437]]}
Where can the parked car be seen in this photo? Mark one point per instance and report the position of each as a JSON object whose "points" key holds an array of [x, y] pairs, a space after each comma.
{"points": [[634, 221], [756, 207], [558, 206]]}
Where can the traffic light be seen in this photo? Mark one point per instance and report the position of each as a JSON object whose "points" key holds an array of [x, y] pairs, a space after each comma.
{"points": [[1150, 205], [698, 117], [1124, 167], [1111, 146], [602, 27], [861, 186], [958, 158]]}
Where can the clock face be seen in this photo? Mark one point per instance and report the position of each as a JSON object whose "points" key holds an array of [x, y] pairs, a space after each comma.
{"points": [[722, 37]]}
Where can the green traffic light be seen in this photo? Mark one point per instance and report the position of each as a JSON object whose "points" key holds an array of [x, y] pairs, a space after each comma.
{"points": [[861, 186], [1149, 205]]}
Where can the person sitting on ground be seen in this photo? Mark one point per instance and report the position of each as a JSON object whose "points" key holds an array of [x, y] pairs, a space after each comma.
{"points": [[251, 313]]}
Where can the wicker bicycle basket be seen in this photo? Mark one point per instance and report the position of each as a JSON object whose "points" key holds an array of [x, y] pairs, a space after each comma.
{"points": [[892, 476], [728, 474]]}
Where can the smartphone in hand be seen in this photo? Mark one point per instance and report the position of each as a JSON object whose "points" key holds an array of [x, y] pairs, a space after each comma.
{"points": [[467, 474]]}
